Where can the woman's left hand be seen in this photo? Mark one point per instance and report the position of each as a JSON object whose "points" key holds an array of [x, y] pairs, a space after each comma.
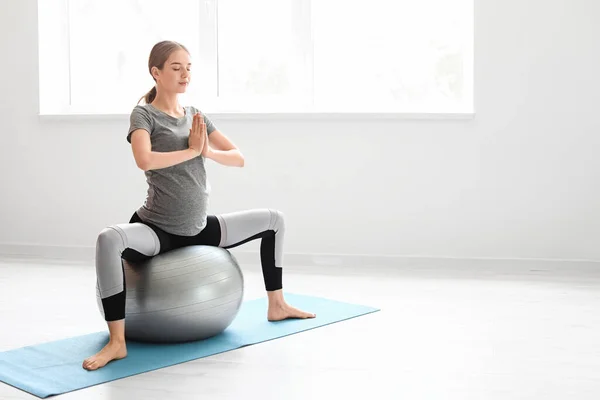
{"points": [[206, 150]]}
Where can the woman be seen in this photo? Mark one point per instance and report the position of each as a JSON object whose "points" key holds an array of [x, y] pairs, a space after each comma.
{"points": [[174, 214]]}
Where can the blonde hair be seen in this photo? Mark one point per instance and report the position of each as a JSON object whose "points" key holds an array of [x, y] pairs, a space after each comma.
{"points": [[158, 56]]}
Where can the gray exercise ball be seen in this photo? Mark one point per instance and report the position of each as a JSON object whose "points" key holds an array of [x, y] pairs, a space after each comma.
{"points": [[186, 294]]}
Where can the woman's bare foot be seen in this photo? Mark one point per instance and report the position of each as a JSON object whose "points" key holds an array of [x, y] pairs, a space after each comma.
{"points": [[114, 350], [280, 310], [278, 313]]}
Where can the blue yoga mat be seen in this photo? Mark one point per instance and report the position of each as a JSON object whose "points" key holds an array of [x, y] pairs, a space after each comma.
{"points": [[55, 367]]}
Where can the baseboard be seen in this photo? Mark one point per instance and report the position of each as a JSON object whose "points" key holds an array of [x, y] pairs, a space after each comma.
{"points": [[47, 252], [86, 254]]}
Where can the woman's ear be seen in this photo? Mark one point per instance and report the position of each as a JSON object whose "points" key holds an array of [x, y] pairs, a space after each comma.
{"points": [[155, 73]]}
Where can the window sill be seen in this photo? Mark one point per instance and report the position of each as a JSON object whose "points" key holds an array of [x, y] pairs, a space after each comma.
{"points": [[277, 116]]}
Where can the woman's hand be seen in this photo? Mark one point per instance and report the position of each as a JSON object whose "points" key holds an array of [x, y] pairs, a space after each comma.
{"points": [[198, 138], [206, 150]]}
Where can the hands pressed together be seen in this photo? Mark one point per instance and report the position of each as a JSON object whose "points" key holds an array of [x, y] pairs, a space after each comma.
{"points": [[198, 139]]}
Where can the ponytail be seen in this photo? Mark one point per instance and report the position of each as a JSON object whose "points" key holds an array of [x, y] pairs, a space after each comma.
{"points": [[150, 96]]}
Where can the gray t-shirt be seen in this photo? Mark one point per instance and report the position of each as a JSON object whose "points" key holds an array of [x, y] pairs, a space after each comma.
{"points": [[177, 198]]}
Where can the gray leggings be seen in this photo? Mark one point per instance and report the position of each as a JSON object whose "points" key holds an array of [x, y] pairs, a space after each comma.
{"points": [[137, 240]]}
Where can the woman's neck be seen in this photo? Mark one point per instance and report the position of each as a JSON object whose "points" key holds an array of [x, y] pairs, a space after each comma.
{"points": [[168, 104]]}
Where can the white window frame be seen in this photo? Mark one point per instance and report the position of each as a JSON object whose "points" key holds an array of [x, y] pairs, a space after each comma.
{"points": [[54, 80]]}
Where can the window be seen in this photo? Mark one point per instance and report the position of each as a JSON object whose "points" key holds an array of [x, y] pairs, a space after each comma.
{"points": [[261, 55]]}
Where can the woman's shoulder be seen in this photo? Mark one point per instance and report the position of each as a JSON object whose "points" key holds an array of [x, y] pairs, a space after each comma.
{"points": [[141, 108], [142, 114]]}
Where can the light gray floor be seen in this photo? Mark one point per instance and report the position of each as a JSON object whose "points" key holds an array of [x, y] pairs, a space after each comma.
{"points": [[448, 329]]}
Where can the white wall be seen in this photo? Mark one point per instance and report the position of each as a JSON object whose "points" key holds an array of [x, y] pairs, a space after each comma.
{"points": [[519, 180]]}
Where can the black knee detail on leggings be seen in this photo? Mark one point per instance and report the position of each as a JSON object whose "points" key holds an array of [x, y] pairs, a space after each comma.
{"points": [[114, 306], [272, 275]]}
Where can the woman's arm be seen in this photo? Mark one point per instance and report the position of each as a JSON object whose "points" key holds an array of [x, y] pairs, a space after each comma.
{"points": [[147, 159], [220, 149]]}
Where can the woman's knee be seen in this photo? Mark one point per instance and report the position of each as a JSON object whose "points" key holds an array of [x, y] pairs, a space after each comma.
{"points": [[277, 220], [110, 238], [137, 237]]}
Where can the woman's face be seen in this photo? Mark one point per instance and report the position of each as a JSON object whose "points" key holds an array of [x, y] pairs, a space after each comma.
{"points": [[176, 73]]}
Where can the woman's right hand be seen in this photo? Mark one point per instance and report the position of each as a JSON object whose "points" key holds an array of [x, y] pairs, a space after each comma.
{"points": [[197, 134]]}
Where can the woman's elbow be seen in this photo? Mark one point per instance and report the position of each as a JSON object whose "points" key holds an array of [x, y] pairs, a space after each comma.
{"points": [[143, 163]]}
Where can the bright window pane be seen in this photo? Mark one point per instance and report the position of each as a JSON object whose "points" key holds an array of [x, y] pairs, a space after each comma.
{"points": [[392, 55], [257, 50], [378, 56], [110, 42]]}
